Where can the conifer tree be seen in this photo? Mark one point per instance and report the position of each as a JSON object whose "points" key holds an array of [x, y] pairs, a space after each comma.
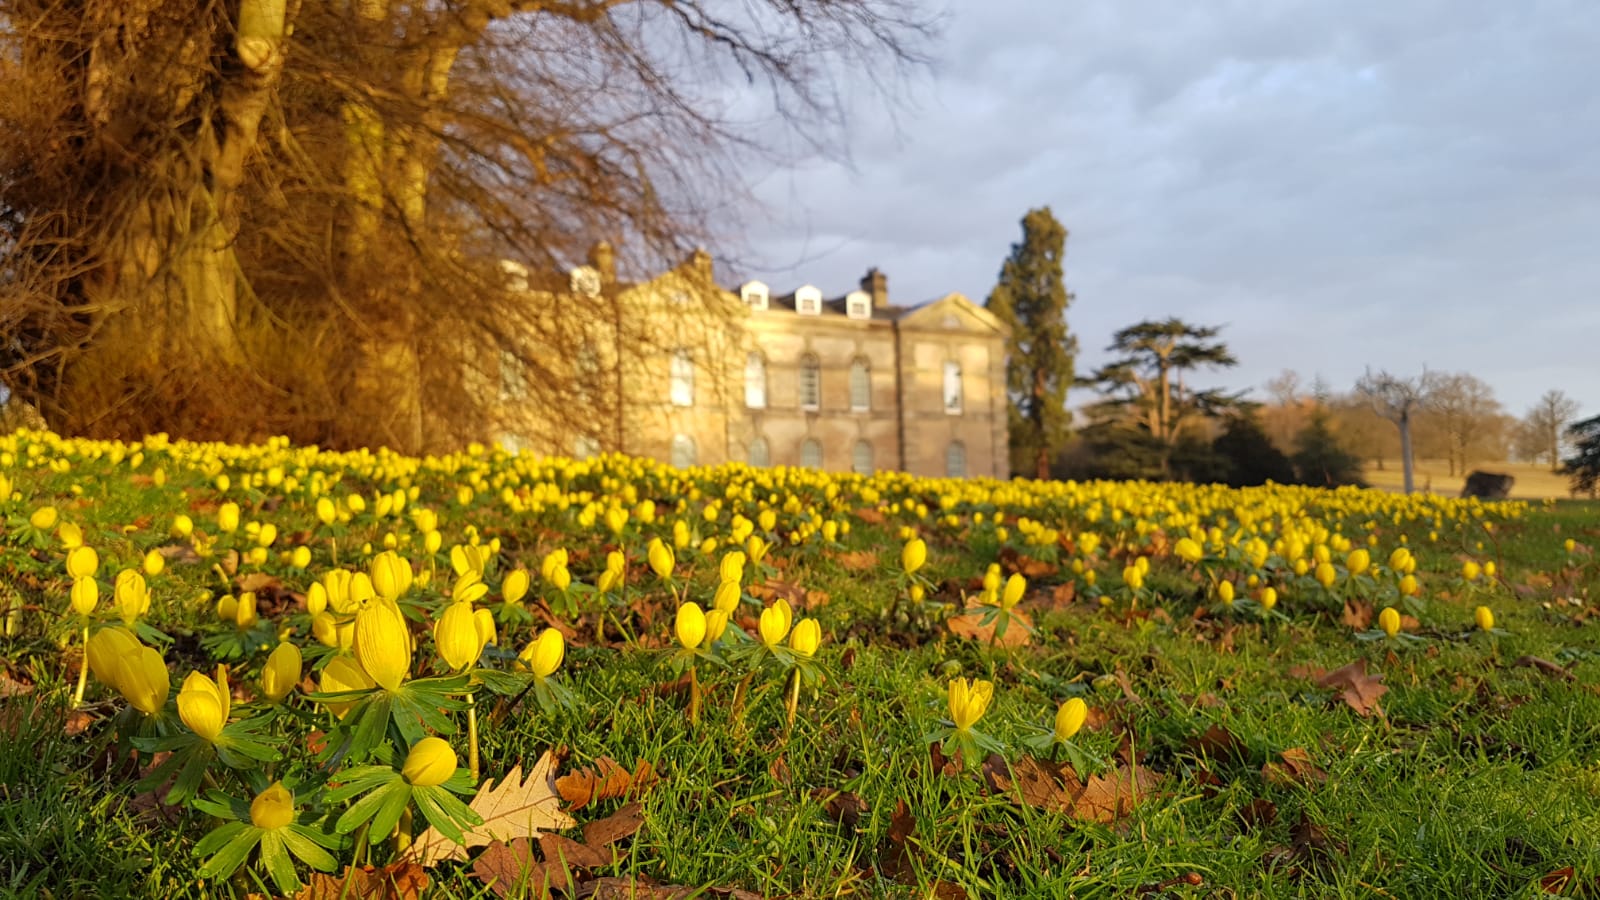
{"points": [[1031, 298]]}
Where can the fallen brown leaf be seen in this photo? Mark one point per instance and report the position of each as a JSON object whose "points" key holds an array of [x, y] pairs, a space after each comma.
{"points": [[605, 781], [1056, 787], [1218, 743], [511, 871], [1358, 689], [566, 853], [970, 625], [843, 807], [623, 823], [641, 888], [1027, 566], [1357, 614], [518, 807], [397, 881], [1258, 814], [857, 560], [1295, 767], [894, 854]]}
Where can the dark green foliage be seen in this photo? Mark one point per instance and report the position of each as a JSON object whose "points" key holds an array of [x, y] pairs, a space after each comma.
{"points": [[1031, 299], [1583, 467], [1248, 454], [1320, 459]]}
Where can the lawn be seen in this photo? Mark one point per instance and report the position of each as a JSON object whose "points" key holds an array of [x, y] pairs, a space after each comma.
{"points": [[886, 686]]}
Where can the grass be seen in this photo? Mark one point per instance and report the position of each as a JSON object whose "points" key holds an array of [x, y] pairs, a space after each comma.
{"points": [[1533, 482], [1481, 777]]}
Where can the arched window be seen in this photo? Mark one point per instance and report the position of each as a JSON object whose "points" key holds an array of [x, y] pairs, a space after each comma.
{"points": [[811, 453], [682, 378], [755, 380], [683, 453], [955, 460], [860, 385], [810, 382], [760, 453], [952, 387], [861, 458]]}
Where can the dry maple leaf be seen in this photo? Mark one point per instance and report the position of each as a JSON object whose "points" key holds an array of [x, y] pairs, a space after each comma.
{"points": [[1296, 767], [970, 625], [1357, 614], [857, 560], [518, 807], [1360, 690], [1057, 788], [511, 870], [397, 881], [608, 779]]}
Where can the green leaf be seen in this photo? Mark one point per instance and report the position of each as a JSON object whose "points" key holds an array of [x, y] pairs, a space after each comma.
{"points": [[428, 802], [219, 836], [396, 797], [233, 854], [278, 863], [308, 850], [359, 781]]}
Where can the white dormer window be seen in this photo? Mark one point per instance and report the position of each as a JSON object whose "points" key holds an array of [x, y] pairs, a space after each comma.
{"points": [[858, 305], [808, 301], [586, 281], [754, 294]]}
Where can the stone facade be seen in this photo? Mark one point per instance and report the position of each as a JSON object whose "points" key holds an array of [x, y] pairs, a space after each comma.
{"points": [[692, 373]]}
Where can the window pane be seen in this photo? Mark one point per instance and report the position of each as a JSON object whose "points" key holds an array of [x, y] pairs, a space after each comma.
{"points": [[955, 460], [683, 452], [860, 386], [760, 455], [810, 383], [952, 387], [811, 454], [682, 379], [861, 458], [755, 381]]}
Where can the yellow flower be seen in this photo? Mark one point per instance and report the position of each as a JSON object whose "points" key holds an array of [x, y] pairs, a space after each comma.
{"points": [[1389, 621], [383, 643], [732, 567], [690, 625], [203, 704], [343, 674], [1470, 570], [1357, 561], [661, 558], [544, 653], [327, 513], [431, 761], [244, 616], [515, 586], [154, 563], [44, 518], [1484, 617], [85, 596], [727, 597], [806, 637], [1409, 586], [82, 562], [469, 588], [1187, 550], [1400, 559], [1016, 586], [456, 635], [1326, 574], [484, 620], [913, 555], [228, 517], [391, 575], [716, 624], [182, 526], [281, 672], [775, 621], [1269, 597], [968, 702], [1488, 567], [142, 678], [1570, 545], [1133, 577], [1070, 717], [71, 535], [465, 558], [131, 595], [1225, 592], [105, 648], [273, 808]]}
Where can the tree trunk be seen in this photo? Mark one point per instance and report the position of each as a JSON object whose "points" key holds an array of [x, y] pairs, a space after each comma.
{"points": [[1405, 451]]}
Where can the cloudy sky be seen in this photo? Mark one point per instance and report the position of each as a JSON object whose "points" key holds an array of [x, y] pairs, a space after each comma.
{"points": [[1338, 183]]}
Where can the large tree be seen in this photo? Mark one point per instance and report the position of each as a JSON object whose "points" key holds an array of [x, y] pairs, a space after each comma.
{"points": [[1583, 467], [1031, 298], [1399, 400], [1544, 423], [1467, 415], [1146, 387], [274, 215]]}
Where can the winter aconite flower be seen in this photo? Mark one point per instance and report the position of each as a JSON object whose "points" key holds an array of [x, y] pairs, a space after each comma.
{"points": [[690, 625], [543, 654], [343, 674], [913, 555], [431, 761], [1187, 550], [661, 559], [85, 596], [1016, 586], [806, 637], [1357, 561], [969, 701], [1484, 617], [82, 562], [383, 643], [775, 621], [1389, 621], [273, 808], [1470, 570], [456, 636], [1069, 718], [203, 704], [281, 672]]}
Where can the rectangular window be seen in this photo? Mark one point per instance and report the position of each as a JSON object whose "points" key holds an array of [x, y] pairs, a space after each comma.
{"points": [[810, 383], [682, 379], [952, 388]]}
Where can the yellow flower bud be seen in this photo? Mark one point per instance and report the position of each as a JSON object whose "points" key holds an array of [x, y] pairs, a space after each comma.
{"points": [[690, 625], [1389, 621], [228, 517], [1071, 716], [1357, 561], [203, 704], [106, 647], [968, 702], [431, 761], [913, 555], [1269, 597], [455, 636], [343, 674], [154, 563], [1326, 574], [1187, 550], [806, 637], [1399, 559], [1484, 617], [44, 518], [515, 585], [391, 575], [1489, 569], [1470, 570], [1133, 577], [732, 567], [85, 596], [281, 672], [1016, 586], [661, 558], [1225, 592], [775, 621], [716, 624], [1409, 586], [142, 678], [244, 617], [71, 535], [543, 654], [82, 562], [273, 808], [383, 643]]}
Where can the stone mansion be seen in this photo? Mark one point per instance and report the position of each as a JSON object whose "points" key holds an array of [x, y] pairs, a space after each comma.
{"points": [[682, 370]]}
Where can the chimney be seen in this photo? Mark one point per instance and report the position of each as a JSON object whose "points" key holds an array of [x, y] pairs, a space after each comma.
{"points": [[877, 284], [604, 260]]}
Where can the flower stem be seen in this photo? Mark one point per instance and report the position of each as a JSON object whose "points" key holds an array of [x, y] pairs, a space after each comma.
{"points": [[794, 699], [402, 833], [83, 670], [694, 697], [472, 736]]}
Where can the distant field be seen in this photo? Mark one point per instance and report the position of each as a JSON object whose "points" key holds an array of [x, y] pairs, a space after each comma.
{"points": [[1533, 482]]}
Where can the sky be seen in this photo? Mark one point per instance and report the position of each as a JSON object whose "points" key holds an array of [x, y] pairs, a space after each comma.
{"points": [[1338, 184]]}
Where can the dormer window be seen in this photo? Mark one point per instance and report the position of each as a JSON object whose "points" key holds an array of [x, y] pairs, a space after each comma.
{"points": [[808, 301], [754, 294], [858, 305], [586, 281]]}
